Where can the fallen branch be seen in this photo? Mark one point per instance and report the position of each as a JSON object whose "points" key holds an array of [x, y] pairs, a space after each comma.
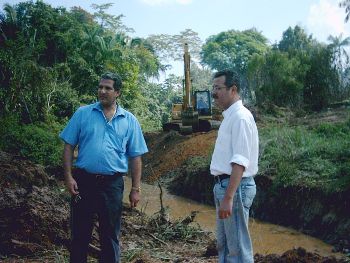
{"points": [[156, 238], [25, 244]]}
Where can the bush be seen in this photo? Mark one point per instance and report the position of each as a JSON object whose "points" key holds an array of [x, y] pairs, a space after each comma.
{"points": [[315, 158], [38, 142], [65, 101]]}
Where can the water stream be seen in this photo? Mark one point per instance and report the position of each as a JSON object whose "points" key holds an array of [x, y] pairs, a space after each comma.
{"points": [[267, 238]]}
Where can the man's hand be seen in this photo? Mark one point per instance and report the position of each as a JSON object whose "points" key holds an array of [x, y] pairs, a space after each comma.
{"points": [[134, 198], [71, 185], [225, 209], [135, 167], [69, 181]]}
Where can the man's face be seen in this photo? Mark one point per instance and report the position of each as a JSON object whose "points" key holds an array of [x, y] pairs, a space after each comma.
{"points": [[106, 93], [223, 96]]}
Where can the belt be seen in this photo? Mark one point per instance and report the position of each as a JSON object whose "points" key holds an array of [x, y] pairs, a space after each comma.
{"points": [[220, 177], [82, 172]]}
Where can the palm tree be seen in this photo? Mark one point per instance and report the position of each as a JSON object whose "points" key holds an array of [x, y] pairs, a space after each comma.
{"points": [[346, 5], [8, 22], [338, 45]]}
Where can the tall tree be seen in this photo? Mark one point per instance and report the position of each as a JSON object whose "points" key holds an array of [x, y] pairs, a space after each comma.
{"points": [[295, 40], [8, 22], [341, 58], [108, 21], [321, 79], [277, 79], [172, 46], [233, 50]]}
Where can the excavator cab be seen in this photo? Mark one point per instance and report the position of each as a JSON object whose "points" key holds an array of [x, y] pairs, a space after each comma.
{"points": [[203, 102]]}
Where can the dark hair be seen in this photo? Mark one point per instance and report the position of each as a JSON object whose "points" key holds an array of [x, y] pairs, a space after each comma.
{"points": [[231, 78], [115, 77]]}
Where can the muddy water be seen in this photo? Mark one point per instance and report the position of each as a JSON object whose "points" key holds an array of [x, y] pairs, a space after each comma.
{"points": [[267, 238]]}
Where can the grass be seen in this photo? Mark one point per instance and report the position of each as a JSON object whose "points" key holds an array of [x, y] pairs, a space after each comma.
{"points": [[317, 157]]}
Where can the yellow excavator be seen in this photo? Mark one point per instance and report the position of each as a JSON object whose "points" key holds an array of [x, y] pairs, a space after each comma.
{"points": [[195, 113]]}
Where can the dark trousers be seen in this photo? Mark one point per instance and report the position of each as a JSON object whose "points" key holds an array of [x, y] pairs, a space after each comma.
{"points": [[102, 196]]}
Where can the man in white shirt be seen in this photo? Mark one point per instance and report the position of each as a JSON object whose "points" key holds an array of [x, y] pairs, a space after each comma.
{"points": [[234, 164]]}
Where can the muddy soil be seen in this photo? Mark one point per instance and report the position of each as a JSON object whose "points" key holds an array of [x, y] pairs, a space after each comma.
{"points": [[34, 219], [169, 150], [34, 226]]}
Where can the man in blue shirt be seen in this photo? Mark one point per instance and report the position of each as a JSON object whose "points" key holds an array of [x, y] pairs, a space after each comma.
{"points": [[108, 138]]}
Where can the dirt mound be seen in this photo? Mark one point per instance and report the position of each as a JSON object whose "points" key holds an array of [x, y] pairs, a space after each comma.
{"points": [[39, 220], [33, 216], [169, 150], [16, 171]]}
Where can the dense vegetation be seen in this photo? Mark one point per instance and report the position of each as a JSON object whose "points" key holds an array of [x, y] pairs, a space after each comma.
{"points": [[297, 72], [50, 63], [317, 157], [292, 155], [51, 60]]}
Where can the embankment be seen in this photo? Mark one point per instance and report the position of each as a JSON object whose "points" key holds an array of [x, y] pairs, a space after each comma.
{"points": [[311, 211]]}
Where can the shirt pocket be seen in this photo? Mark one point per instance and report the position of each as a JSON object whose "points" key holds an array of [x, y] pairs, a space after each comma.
{"points": [[117, 142], [223, 140]]}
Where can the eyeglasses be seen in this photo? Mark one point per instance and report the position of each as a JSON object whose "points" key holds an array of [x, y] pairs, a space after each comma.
{"points": [[218, 88]]}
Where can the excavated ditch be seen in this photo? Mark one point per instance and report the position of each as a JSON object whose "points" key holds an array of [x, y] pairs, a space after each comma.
{"points": [[182, 160]]}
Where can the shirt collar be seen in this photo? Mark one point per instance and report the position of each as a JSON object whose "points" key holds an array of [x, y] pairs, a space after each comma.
{"points": [[120, 110], [234, 107]]}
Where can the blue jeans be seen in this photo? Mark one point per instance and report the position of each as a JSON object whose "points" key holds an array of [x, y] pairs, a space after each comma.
{"points": [[233, 240], [102, 197]]}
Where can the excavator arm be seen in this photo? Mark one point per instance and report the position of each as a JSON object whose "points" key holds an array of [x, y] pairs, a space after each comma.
{"points": [[195, 114]]}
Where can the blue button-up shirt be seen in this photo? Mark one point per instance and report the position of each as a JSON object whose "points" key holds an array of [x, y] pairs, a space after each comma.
{"points": [[104, 147]]}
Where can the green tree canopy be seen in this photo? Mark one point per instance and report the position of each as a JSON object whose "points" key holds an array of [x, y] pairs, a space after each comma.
{"points": [[172, 46], [295, 39], [233, 49], [277, 79], [46, 52]]}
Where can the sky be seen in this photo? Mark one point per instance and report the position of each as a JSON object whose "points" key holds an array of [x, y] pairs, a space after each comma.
{"points": [[320, 18]]}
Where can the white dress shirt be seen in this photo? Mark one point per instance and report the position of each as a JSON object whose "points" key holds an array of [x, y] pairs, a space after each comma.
{"points": [[237, 142]]}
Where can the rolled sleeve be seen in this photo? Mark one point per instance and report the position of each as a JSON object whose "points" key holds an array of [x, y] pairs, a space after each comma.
{"points": [[136, 145], [241, 160], [70, 133]]}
